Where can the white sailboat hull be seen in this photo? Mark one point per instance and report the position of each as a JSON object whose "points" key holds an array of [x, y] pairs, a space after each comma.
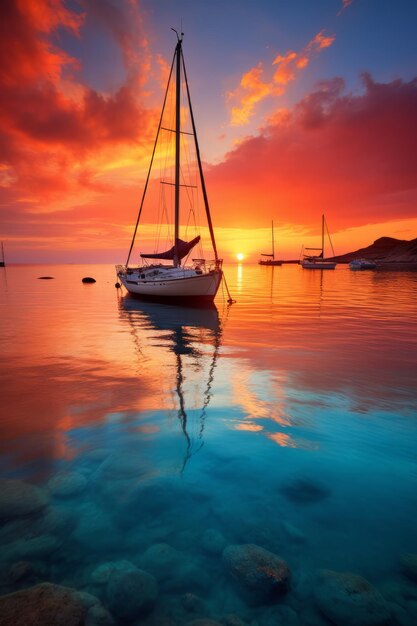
{"points": [[188, 287], [318, 265]]}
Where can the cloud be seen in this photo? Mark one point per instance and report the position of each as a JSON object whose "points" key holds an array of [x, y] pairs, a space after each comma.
{"points": [[52, 126], [345, 4], [253, 88], [350, 155]]}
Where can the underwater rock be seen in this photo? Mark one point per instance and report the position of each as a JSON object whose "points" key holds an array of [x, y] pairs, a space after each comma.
{"points": [[409, 566], [305, 491], [68, 484], [55, 521], [350, 600], [102, 573], [45, 277], [41, 605], [160, 560], [131, 594], [213, 541], [99, 616], [257, 570], [88, 279], [18, 498]]}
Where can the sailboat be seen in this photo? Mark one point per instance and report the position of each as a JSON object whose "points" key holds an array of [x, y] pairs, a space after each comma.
{"points": [[271, 257], [317, 261], [176, 281], [2, 261]]}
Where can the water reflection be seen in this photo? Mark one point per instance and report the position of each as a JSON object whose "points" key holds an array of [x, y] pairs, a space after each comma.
{"points": [[193, 336]]}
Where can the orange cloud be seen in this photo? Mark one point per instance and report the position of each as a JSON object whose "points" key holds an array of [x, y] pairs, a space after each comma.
{"points": [[253, 90], [352, 156]]}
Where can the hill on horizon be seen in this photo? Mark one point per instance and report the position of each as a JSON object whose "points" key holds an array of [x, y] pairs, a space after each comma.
{"points": [[384, 249]]}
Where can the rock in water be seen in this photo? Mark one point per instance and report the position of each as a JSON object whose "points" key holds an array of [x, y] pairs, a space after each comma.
{"points": [[257, 570], [130, 594], [45, 277], [88, 279], [349, 600], [41, 605], [18, 498]]}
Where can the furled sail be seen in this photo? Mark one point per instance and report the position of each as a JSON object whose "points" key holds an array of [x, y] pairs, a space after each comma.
{"points": [[183, 248]]}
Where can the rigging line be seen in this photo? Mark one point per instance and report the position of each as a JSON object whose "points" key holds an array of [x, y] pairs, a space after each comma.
{"points": [[203, 186], [328, 234], [150, 166]]}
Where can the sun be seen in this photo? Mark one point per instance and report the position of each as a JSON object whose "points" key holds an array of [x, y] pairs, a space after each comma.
{"points": [[240, 256]]}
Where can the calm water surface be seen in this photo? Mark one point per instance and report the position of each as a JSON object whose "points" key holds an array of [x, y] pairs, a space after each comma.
{"points": [[162, 434]]}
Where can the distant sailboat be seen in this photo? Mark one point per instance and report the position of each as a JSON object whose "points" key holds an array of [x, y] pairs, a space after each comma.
{"points": [[317, 261], [2, 260], [271, 257], [176, 282]]}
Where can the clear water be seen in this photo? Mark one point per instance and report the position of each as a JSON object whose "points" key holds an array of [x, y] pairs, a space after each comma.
{"points": [[288, 420]]}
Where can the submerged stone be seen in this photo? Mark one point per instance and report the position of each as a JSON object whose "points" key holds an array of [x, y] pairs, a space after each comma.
{"points": [[257, 570], [41, 605], [161, 560], [88, 279], [18, 498], [102, 573], [350, 600], [130, 594], [305, 491]]}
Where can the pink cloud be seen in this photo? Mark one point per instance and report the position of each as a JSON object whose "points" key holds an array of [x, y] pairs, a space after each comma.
{"points": [[351, 155]]}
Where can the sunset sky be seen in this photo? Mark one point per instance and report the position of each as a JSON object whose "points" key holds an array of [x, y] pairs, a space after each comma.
{"points": [[302, 107]]}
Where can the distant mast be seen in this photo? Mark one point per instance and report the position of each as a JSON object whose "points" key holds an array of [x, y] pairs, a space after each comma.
{"points": [[2, 260]]}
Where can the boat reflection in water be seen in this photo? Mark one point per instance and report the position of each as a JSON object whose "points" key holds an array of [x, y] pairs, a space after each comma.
{"points": [[192, 336]]}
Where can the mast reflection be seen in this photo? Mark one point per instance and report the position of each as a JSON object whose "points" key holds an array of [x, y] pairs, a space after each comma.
{"points": [[193, 335]]}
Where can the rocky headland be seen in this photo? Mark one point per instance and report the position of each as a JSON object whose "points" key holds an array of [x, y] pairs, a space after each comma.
{"points": [[387, 252]]}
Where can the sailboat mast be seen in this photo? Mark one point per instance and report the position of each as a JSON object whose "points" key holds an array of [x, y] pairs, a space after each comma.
{"points": [[322, 236], [273, 248], [200, 168], [177, 148]]}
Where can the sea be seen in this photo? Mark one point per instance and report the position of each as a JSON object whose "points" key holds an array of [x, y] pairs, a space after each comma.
{"points": [[251, 464]]}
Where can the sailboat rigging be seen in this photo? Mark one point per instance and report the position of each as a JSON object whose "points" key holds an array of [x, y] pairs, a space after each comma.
{"points": [[271, 257], [199, 281], [317, 261]]}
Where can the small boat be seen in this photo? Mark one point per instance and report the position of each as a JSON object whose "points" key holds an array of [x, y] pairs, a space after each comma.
{"points": [[362, 264], [271, 260], [2, 261], [317, 261], [176, 282]]}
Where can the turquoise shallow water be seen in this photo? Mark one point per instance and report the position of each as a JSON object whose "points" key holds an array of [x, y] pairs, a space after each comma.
{"points": [[161, 435]]}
